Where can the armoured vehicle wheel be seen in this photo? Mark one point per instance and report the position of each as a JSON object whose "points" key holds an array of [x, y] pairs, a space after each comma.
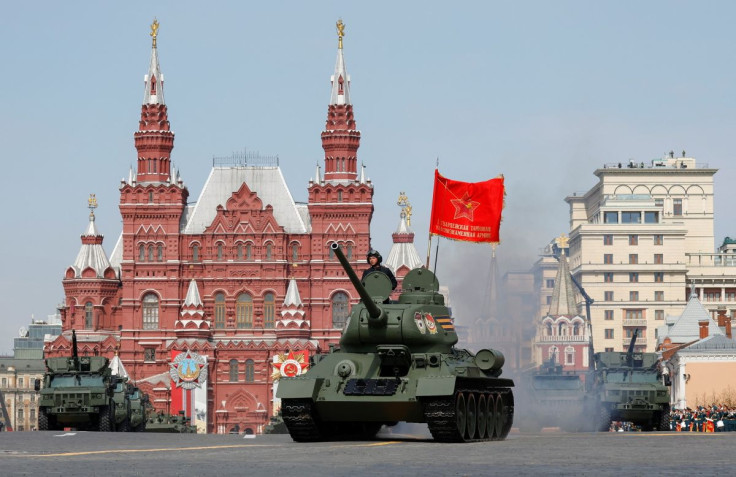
{"points": [[604, 419], [43, 420], [460, 414], [105, 419], [302, 420], [498, 417], [140, 427], [471, 416], [124, 426], [664, 419], [507, 414], [482, 416]]}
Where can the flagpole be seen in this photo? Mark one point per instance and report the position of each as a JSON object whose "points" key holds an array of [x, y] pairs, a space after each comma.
{"points": [[429, 248], [436, 254]]}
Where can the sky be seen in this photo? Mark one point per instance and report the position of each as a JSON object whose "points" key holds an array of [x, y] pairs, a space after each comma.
{"points": [[542, 92]]}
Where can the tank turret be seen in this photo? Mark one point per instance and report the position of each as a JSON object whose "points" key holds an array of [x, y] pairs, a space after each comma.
{"points": [[397, 361]]}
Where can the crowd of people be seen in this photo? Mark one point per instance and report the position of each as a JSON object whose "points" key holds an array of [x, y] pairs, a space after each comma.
{"points": [[713, 418]]}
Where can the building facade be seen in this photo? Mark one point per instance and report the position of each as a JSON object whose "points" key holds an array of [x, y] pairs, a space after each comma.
{"points": [[242, 277], [634, 238], [19, 410]]}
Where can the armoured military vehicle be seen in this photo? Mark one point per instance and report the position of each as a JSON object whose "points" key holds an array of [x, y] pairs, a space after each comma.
{"points": [[77, 392], [130, 406], [161, 422], [550, 397], [397, 362], [629, 387]]}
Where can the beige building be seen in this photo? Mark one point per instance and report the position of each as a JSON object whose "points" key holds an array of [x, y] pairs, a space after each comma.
{"points": [[635, 240], [17, 378]]}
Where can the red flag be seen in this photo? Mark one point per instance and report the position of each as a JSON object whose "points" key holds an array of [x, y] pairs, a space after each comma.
{"points": [[469, 211]]}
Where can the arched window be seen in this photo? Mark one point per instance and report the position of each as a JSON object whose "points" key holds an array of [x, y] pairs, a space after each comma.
{"points": [[269, 251], [269, 306], [150, 196], [569, 355], [294, 252], [240, 251], [350, 251], [560, 329], [339, 196], [150, 253], [339, 309], [150, 311], [249, 371], [160, 253], [233, 370], [576, 329], [244, 311], [220, 310], [195, 252], [549, 329], [141, 253], [219, 251], [331, 254], [88, 314], [249, 251]]}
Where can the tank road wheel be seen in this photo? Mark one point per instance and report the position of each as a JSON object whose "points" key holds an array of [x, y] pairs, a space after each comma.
{"points": [[302, 420], [482, 416], [507, 414], [105, 419], [471, 415], [491, 416], [43, 420], [461, 414], [663, 423]]}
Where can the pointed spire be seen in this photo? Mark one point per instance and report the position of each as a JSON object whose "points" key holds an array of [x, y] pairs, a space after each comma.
{"points": [[154, 139], [340, 79], [193, 302], [362, 173], [403, 253], [317, 175], [292, 308], [563, 294], [131, 177], [340, 139], [91, 254], [153, 92]]}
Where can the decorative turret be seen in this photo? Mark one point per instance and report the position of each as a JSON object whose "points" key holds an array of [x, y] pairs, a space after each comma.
{"points": [[192, 322], [91, 255], [403, 255], [154, 139], [292, 323], [340, 140]]}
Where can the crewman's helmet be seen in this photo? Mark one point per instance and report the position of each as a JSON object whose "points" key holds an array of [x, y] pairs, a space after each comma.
{"points": [[373, 253]]}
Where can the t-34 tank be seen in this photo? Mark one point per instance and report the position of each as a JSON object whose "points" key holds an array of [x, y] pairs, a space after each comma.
{"points": [[397, 362]]}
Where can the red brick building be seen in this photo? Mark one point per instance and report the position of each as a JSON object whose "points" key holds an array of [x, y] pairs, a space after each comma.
{"points": [[239, 277]]}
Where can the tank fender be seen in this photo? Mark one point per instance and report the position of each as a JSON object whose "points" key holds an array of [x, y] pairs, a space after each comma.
{"points": [[299, 388], [436, 386]]}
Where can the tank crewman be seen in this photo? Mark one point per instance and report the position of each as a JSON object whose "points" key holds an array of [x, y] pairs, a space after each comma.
{"points": [[374, 260]]}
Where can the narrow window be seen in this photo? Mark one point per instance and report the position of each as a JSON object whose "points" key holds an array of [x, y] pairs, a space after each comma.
{"points": [[633, 296], [150, 311], [339, 309], [150, 253], [150, 196], [633, 240], [233, 370], [608, 258], [609, 315], [659, 295], [248, 251], [141, 253], [195, 253], [240, 251], [608, 296], [268, 310], [219, 251], [658, 277], [677, 207], [658, 239], [160, 253], [249, 371], [608, 277], [609, 333], [608, 239], [633, 258], [269, 251], [633, 277], [294, 252], [659, 314], [88, 314], [350, 251], [220, 310], [658, 258], [244, 311], [550, 283]]}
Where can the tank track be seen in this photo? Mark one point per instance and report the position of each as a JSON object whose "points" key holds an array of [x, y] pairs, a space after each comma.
{"points": [[301, 420], [447, 414]]}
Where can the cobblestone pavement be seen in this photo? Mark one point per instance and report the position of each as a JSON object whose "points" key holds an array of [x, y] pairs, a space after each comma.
{"points": [[546, 453]]}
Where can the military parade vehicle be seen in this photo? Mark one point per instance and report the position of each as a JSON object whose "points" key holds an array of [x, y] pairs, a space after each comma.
{"points": [[177, 423], [81, 393], [550, 397], [397, 362], [630, 387]]}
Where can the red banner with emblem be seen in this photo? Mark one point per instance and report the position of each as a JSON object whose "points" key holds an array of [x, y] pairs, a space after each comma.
{"points": [[468, 211]]}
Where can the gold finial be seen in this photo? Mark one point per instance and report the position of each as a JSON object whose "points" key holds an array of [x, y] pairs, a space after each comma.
{"points": [[405, 205], [154, 31], [340, 33], [92, 205], [562, 241]]}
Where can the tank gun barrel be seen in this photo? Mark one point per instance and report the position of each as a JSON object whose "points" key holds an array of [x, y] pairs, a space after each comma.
{"points": [[75, 355], [374, 310], [630, 352]]}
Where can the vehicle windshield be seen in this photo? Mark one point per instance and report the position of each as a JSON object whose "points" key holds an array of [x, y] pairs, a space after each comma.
{"points": [[629, 377], [557, 382], [78, 380]]}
